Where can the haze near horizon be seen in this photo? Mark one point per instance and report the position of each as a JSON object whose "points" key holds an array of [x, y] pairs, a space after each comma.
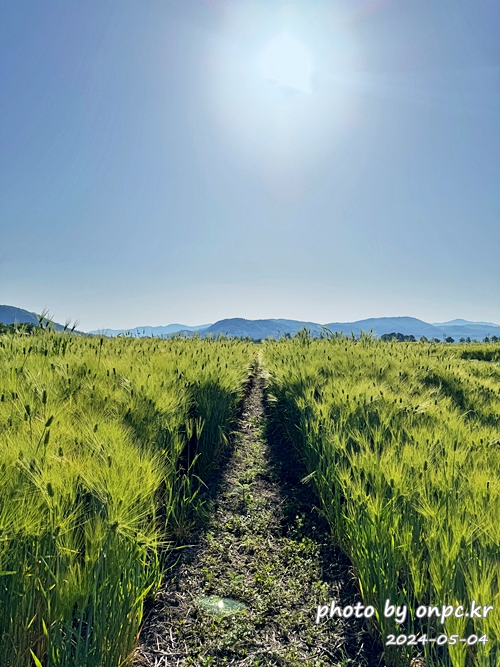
{"points": [[188, 162]]}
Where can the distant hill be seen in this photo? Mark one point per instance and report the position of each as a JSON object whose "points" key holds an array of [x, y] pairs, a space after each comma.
{"points": [[260, 329], [13, 315], [409, 326], [157, 332], [459, 322], [472, 330]]}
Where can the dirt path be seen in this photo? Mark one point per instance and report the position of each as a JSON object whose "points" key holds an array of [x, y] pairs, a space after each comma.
{"points": [[265, 546]]}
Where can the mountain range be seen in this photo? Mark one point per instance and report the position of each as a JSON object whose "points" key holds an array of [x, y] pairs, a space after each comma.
{"points": [[260, 329], [379, 325]]}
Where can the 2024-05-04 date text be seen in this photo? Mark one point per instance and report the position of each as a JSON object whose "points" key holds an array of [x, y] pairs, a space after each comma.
{"points": [[440, 640]]}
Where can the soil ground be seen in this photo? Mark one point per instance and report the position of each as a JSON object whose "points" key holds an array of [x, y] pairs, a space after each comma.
{"points": [[264, 544]]}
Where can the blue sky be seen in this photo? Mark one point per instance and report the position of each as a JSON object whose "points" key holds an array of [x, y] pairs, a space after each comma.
{"points": [[189, 160]]}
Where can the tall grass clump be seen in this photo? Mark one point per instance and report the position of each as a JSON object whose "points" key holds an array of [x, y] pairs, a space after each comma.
{"points": [[402, 444], [103, 445]]}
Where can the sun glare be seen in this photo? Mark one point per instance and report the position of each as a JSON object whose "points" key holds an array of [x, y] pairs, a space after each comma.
{"points": [[285, 62], [277, 87]]}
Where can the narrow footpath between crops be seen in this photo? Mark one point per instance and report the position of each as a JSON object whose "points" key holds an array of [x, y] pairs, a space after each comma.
{"points": [[263, 545]]}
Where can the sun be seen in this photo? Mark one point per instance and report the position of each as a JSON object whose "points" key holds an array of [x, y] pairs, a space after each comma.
{"points": [[285, 62], [278, 90]]}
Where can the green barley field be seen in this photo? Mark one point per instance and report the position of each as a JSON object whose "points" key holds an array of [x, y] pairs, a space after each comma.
{"points": [[402, 444], [105, 445]]}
